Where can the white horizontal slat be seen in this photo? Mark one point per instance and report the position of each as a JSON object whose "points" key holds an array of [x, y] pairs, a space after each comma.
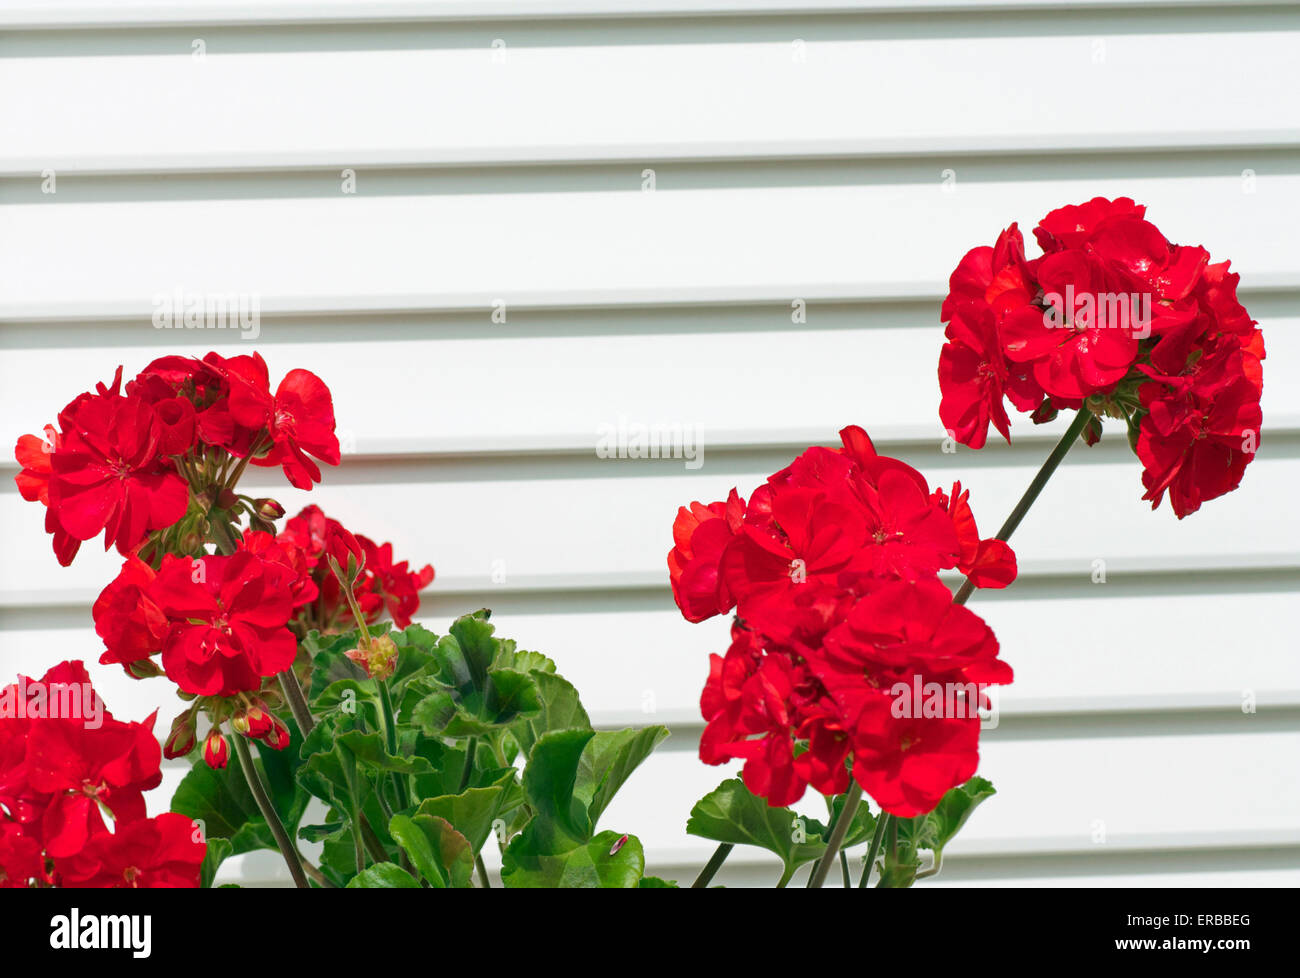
{"points": [[51, 14], [562, 249], [539, 524], [1070, 655], [1053, 795], [654, 101], [478, 396]]}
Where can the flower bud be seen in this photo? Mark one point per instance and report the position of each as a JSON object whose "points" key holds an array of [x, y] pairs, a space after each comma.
{"points": [[268, 509], [216, 751], [181, 739], [378, 659], [142, 669], [1044, 412], [259, 720], [277, 737], [1092, 431]]}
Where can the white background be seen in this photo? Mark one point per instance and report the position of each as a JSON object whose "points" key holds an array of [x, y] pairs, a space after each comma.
{"points": [[842, 153]]}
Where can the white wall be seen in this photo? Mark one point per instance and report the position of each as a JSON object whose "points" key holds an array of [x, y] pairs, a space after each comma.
{"points": [[783, 172]]}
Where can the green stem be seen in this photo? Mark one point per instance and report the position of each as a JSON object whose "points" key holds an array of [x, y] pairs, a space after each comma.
{"points": [[711, 868], [784, 881], [268, 811], [838, 831], [482, 872], [390, 735], [468, 770], [317, 876], [292, 690], [1035, 487], [877, 838], [844, 869], [933, 870], [372, 843]]}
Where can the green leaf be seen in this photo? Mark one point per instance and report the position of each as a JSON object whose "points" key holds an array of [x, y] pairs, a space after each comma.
{"points": [[549, 781], [328, 663], [372, 754], [936, 829], [434, 713], [655, 883], [473, 811], [218, 850], [899, 872], [510, 694], [415, 656], [862, 828], [561, 709], [509, 658], [463, 693], [731, 813], [933, 830], [383, 876], [609, 760], [349, 696], [447, 761], [438, 851], [467, 653], [600, 863]]}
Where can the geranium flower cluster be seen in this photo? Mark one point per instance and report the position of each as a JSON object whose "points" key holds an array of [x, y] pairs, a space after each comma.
{"points": [[223, 625], [1116, 318], [67, 768], [382, 585], [840, 619], [163, 454], [154, 466]]}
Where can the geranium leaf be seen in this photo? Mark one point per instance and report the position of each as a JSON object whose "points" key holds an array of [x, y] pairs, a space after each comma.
{"points": [[935, 829], [218, 850], [609, 760], [437, 850], [383, 876], [561, 709], [608, 861], [731, 813], [549, 781], [473, 811]]}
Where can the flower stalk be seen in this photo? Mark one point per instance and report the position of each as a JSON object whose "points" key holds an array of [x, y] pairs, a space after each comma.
{"points": [[1031, 494], [838, 831], [264, 805]]}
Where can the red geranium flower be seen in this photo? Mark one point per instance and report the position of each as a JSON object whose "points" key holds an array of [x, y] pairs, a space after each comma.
{"points": [[299, 417], [107, 474], [161, 852], [701, 534], [132, 626], [1075, 350], [1115, 318], [1200, 431], [228, 621], [81, 768], [382, 584], [832, 569], [397, 586], [907, 764]]}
